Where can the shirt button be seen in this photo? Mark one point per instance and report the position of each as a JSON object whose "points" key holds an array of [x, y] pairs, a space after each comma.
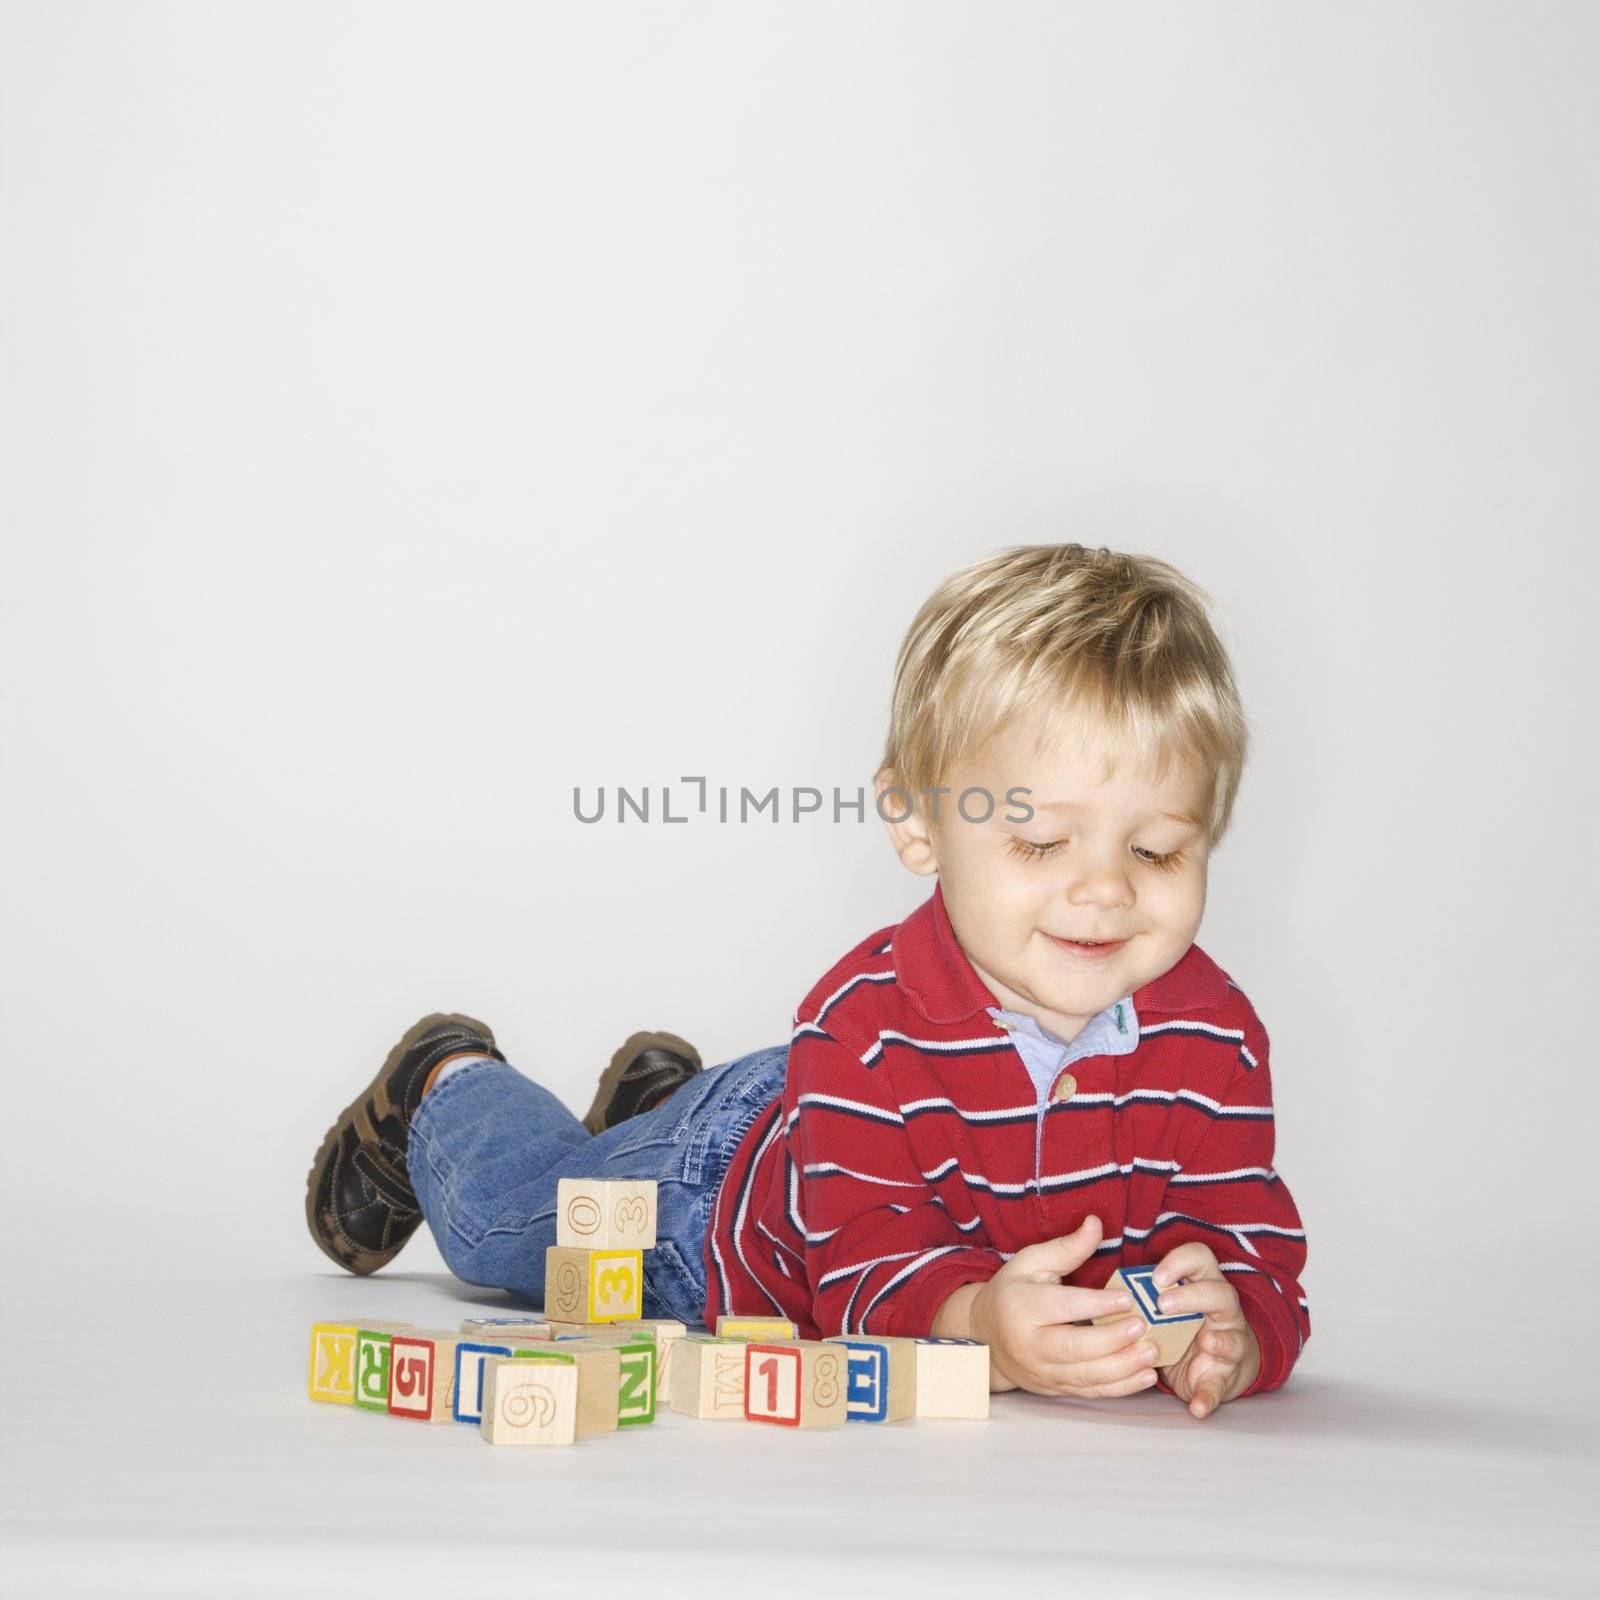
{"points": [[1066, 1087]]}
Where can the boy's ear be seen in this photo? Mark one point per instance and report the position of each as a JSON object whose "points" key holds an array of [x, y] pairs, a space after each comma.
{"points": [[908, 833]]}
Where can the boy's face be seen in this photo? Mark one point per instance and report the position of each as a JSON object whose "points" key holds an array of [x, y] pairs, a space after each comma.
{"points": [[1112, 861]]}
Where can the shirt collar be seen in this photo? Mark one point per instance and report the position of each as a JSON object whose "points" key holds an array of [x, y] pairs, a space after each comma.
{"points": [[933, 969]]}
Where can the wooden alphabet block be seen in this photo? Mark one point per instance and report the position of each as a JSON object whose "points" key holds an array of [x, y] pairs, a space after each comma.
{"points": [[333, 1363], [1171, 1335], [707, 1377], [779, 1330], [372, 1369], [592, 1285], [422, 1376], [952, 1378], [636, 1396], [606, 1213], [799, 1384], [880, 1378], [471, 1354], [599, 1369], [529, 1402], [524, 1327]]}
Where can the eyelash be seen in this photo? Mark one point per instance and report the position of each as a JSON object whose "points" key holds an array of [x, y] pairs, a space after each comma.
{"points": [[1029, 851]]}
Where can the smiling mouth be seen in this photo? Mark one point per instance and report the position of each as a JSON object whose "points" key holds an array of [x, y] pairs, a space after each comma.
{"points": [[1085, 946]]}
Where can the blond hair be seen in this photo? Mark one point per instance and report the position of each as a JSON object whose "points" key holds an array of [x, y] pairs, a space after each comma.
{"points": [[1123, 644]]}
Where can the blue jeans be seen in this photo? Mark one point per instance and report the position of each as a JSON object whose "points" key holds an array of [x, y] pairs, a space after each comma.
{"points": [[487, 1146]]}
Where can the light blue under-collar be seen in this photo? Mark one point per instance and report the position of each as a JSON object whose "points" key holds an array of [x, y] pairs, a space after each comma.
{"points": [[1112, 1032]]}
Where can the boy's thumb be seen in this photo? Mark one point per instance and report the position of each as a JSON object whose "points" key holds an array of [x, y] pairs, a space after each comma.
{"points": [[1066, 1253]]}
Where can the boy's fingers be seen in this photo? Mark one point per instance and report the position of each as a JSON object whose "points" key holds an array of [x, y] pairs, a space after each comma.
{"points": [[1214, 1296], [1189, 1260], [1074, 1346], [1208, 1392], [1065, 1302]]}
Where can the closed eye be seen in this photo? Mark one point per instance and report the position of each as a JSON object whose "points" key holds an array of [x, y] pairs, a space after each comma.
{"points": [[1036, 849]]}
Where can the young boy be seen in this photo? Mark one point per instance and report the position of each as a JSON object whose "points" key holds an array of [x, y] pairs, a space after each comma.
{"points": [[982, 1111]]}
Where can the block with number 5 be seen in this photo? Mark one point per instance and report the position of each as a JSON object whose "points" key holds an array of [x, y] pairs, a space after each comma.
{"points": [[800, 1384]]}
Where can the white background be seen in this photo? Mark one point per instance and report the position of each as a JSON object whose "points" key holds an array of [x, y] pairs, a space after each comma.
{"points": [[408, 413]]}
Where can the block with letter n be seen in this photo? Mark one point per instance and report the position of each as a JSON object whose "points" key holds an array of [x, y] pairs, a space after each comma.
{"points": [[881, 1377], [798, 1384], [593, 1285]]}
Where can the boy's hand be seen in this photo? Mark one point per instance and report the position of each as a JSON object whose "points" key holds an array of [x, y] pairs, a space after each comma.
{"points": [[1023, 1311], [1224, 1357]]}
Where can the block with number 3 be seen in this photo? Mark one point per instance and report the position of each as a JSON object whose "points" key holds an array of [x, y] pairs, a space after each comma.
{"points": [[800, 1384], [592, 1285]]}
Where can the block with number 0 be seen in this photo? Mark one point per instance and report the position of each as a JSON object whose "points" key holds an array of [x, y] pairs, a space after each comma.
{"points": [[606, 1213], [800, 1384], [592, 1285]]}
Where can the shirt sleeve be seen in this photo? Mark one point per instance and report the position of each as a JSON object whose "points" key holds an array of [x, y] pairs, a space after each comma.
{"points": [[882, 1252], [1228, 1195]]}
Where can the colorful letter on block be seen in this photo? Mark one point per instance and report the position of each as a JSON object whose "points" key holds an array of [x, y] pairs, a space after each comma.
{"points": [[800, 1384], [333, 1363], [606, 1213], [592, 1285], [372, 1369], [707, 1377], [470, 1357], [422, 1376], [529, 1402], [599, 1369], [1171, 1335], [952, 1378], [881, 1382], [636, 1398], [775, 1330]]}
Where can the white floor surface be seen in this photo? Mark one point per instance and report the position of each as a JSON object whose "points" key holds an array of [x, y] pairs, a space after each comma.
{"points": [[158, 1441]]}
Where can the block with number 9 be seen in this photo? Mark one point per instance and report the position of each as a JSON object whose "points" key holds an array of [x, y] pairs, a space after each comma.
{"points": [[593, 1285]]}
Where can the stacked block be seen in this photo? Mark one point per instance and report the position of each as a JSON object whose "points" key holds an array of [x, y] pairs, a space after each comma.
{"points": [[594, 1272], [592, 1365], [1171, 1335]]}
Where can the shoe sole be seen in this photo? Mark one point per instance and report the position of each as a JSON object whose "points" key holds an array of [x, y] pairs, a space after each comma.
{"points": [[373, 1091], [594, 1119]]}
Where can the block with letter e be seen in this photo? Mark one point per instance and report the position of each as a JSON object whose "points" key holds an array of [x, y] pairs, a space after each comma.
{"points": [[606, 1213], [593, 1285], [880, 1378], [1171, 1335], [470, 1358], [799, 1384]]}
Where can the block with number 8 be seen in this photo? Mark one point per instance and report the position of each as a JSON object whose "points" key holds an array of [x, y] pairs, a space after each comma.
{"points": [[800, 1384]]}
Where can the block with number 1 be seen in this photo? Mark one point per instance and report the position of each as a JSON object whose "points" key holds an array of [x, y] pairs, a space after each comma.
{"points": [[800, 1384]]}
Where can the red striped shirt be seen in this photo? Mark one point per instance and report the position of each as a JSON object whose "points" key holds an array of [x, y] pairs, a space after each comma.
{"points": [[909, 1152]]}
